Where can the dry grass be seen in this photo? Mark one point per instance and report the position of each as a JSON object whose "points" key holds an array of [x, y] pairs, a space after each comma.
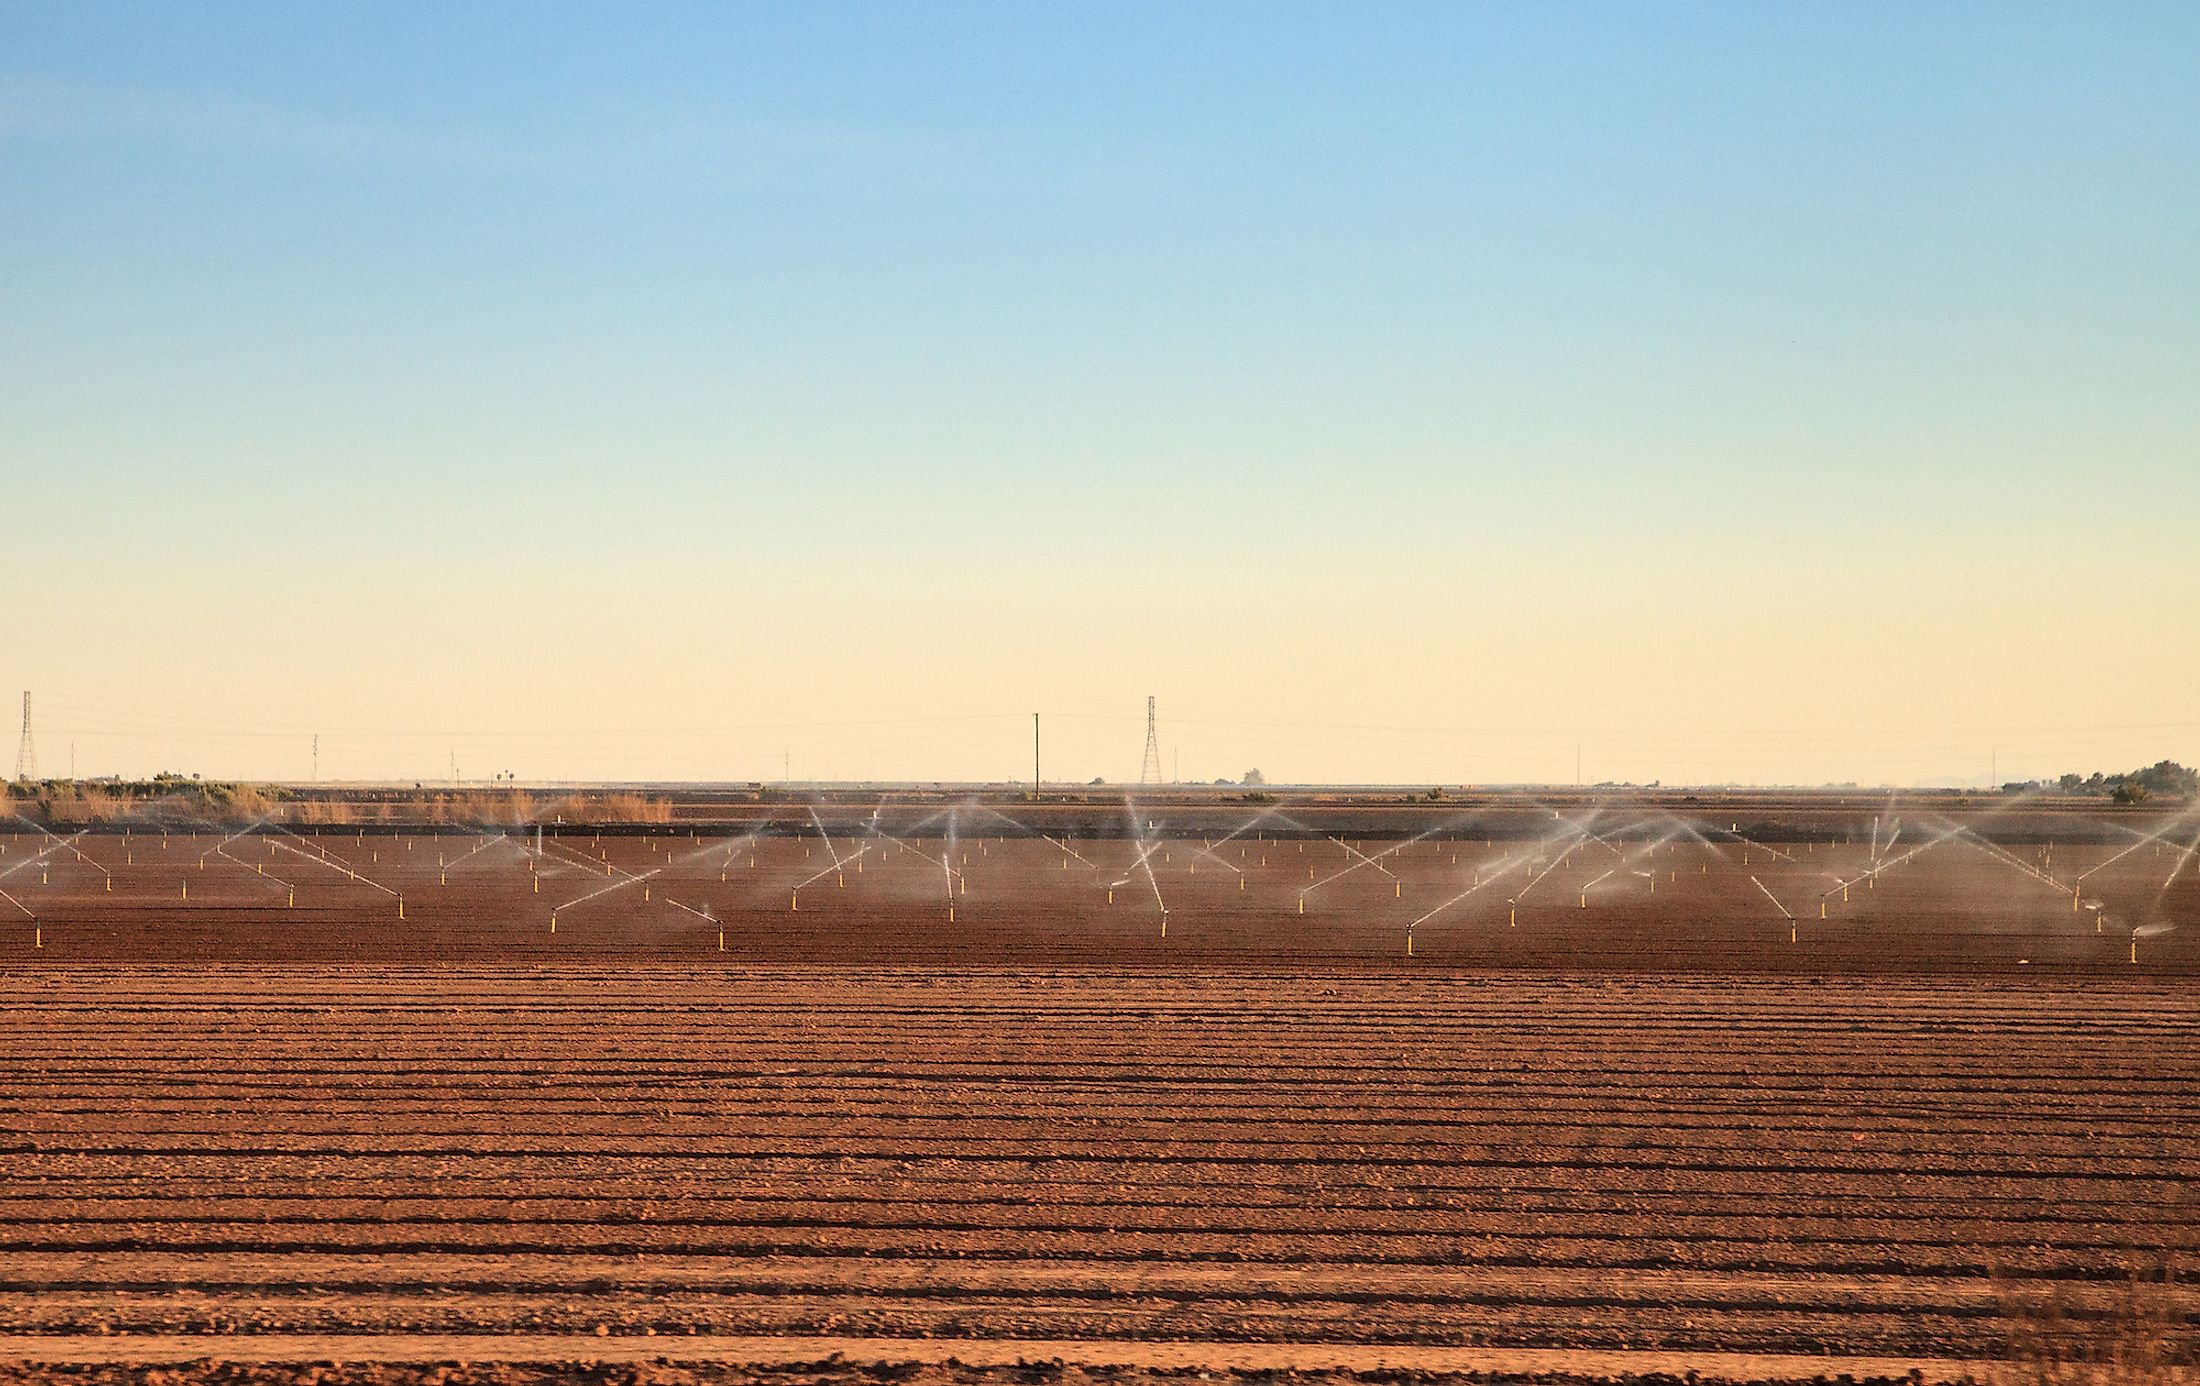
{"points": [[247, 804], [81, 805], [84, 805], [504, 808], [515, 809], [610, 808]]}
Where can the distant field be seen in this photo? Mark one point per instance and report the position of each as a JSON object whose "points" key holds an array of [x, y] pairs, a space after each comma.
{"points": [[1794, 887]]}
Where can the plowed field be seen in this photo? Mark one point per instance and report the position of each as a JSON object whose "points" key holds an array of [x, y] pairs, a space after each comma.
{"points": [[1594, 1099], [1141, 1165]]}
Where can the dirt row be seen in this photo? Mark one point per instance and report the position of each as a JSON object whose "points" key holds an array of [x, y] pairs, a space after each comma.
{"points": [[1332, 1154]]}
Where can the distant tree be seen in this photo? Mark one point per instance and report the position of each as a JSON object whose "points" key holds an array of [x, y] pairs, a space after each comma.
{"points": [[2167, 777], [1254, 777]]}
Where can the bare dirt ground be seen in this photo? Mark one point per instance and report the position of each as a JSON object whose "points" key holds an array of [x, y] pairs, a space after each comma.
{"points": [[1671, 1173], [955, 1106]]}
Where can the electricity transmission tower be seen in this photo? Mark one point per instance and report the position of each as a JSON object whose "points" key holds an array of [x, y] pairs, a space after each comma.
{"points": [[1150, 771], [26, 752]]}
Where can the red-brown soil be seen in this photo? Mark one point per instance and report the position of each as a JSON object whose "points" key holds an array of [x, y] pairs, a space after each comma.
{"points": [[1664, 1131], [1679, 1169]]}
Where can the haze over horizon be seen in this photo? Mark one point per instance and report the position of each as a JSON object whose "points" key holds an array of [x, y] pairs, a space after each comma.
{"points": [[1401, 394]]}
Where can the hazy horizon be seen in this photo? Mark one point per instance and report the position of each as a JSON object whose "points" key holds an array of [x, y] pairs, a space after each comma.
{"points": [[1417, 393]]}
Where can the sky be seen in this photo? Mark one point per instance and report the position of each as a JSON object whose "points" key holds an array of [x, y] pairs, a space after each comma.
{"points": [[1447, 393]]}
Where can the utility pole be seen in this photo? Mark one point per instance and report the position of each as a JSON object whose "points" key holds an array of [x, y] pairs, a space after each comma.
{"points": [[1577, 764], [26, 750], [316, 757], [1034, 755], [1149, 770]]}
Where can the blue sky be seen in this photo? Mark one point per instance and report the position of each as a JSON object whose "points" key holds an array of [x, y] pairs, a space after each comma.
{"points": [[1697, 381]]}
